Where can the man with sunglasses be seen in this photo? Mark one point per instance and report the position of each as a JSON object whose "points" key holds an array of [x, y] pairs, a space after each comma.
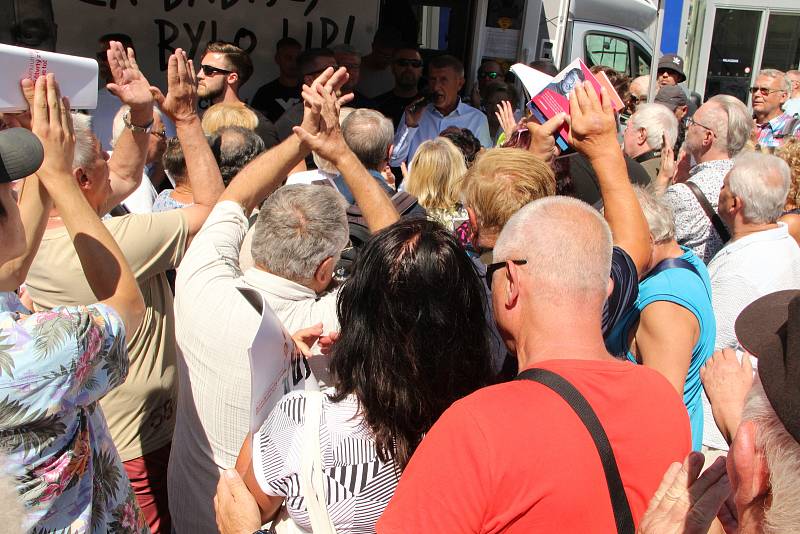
{"points": [[773, 127], [407, 71], [488, 72], [224, 69]]}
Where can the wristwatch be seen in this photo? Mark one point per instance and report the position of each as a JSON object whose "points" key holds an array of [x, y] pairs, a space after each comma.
{"points": [[126, 120]]}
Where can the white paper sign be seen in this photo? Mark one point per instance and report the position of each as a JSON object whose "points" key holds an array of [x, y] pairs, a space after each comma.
{"points": [[275, 370], [77, 76]]}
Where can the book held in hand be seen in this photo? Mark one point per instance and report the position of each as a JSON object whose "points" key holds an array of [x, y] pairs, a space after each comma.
{"points": [[549, 95]]}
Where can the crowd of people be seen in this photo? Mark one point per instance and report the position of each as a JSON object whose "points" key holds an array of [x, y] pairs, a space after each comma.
{"points": [[488, 335]]}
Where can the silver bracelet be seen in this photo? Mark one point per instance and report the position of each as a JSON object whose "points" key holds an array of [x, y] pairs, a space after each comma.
{"points": [[126, 120]]}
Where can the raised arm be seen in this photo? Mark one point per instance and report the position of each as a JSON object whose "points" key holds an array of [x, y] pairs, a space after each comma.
{"points": [[180, 105], [132, 88], [266, 173], [593, 132], [104, 266], [34, 204], [328, 142]]}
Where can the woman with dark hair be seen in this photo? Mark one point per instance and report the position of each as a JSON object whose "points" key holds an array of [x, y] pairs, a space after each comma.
{"points": [[413, 340]]}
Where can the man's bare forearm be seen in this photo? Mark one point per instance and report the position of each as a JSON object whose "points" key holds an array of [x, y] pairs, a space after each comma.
{"points": [[201, 167], [621, 207], [34, 206]]}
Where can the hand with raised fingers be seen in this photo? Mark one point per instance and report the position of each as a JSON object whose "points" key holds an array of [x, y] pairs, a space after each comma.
{"points": [[505, 117], [180, 104], [666, 171], [727, 381], [51, 122], [687, 501], [331, 82], [592, 124], [129, 84], [543, 141], [682, 167], [327, 141]]}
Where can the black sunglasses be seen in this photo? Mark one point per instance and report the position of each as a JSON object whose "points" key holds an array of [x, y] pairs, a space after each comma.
{"points": [[492, 75], [765, 91], [492, 267], [416, 63], [208, 70]]}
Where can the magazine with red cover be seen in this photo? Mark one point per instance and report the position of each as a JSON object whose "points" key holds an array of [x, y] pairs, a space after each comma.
{"points": [[550, 95]]}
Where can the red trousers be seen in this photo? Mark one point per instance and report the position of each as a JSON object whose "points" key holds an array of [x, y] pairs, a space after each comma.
{"points": [[148, 476]]}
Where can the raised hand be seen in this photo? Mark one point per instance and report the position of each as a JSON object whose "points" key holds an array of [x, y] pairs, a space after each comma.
{"points": [[727, 382], [543, 141], [687, 501], [129, 84], [327, 140], [180, 104], [666, 170], [51, 122], [505, 116], [593, 126], [331, 82]]}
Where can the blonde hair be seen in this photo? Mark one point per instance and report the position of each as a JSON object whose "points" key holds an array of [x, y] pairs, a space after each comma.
{"points": [[436, 174], [501, 181], [222, 115], [790, 153]]}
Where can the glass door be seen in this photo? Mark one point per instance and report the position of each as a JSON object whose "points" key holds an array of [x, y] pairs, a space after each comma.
{"points": [[782, 46], [732, 54]]}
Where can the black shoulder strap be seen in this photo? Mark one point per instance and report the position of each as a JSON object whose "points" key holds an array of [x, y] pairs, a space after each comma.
{"points": [[719, 226], [573, 397], [670, 263]]}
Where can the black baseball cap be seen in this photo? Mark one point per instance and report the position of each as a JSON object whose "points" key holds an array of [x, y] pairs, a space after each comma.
{"points": [[21, 154]]}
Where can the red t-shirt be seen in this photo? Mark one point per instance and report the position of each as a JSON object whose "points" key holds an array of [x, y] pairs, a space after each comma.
{"points": [[516, 458]]}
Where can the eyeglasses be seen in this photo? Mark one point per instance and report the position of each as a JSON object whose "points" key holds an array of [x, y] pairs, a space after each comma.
{"points": [[492, 75], [764, 91], [208, 70], [415, 63], [492, 267], [688, 121]]}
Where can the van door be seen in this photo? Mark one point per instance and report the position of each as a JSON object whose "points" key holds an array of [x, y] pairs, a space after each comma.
{"points": [[618, 48]]}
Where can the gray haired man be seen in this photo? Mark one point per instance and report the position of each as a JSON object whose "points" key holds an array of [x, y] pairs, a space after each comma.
{"points": [[298, 237], [715, 134]]}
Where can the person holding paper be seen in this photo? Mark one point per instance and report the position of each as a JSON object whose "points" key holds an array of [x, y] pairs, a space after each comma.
{"points": [[141, 412], [299, 234], [55, 365], [424, 122]]}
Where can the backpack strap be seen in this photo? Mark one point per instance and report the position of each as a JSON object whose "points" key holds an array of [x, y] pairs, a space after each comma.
{"points": [[719, 226], [619, 501], [788, 128], [671, 263]]}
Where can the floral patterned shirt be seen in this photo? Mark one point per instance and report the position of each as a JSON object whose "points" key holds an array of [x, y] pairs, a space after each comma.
{"points": [[54, 366], [693, 228]]}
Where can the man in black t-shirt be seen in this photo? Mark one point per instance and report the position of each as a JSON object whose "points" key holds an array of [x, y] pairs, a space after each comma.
{"points": [[275, 97], [407, 70]]}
